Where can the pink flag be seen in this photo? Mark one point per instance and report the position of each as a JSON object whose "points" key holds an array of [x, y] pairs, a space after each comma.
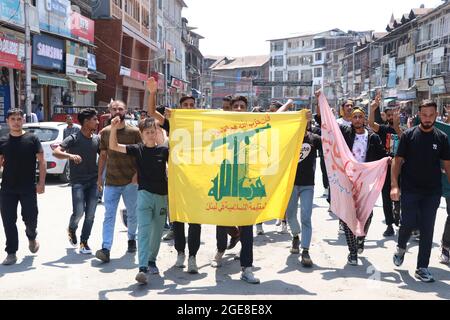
{"points": [[355, 187]]}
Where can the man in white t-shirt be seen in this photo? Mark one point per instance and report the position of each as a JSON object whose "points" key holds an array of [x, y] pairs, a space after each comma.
{"points": [[366, 147]]}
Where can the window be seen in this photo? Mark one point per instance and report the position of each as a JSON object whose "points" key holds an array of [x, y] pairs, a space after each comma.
{"points": [[160, 34], [293, 76], [160, 4], [317, 72], [318, 56], [278, 92], [278, 46], [278, 76], [306, 60], [278, 61], [145, 19], [293, 61], [306, 75]]}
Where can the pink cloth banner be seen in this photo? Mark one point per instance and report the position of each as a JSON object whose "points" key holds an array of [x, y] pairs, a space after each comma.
{"points": [[355, 187]]}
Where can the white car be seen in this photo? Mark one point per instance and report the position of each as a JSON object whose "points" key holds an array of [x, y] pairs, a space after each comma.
{"points": [[51, 136]]}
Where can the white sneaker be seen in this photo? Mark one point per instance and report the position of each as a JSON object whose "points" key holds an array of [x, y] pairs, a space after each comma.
{"points": [[192, 266], [248, 276], [284, 228], [217, 261], [180, 261], [278, 223], [259, 230]]}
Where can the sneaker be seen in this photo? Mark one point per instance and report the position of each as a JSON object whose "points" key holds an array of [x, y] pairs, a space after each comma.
{"points": [[278, 223], [284, 228], [152, 268], [169, 236], [306, 259], [99, 200], [399, 257], [72, 238], [141, 277], [360, 245], [103, 255], [166, 226], [217, 260], [132, 246], [180, 260], [424, 275], [352, 259], [295, 249], [259, 230], [10, 260], [233, 242], [33, 245], [192, 266], [341, 228], [389, 231], [396, 212], [445, 256], [248, 276], [84, 248], [325, 193]]}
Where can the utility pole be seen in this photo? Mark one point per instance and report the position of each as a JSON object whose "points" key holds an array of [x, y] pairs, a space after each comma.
{"points": [[354, 71], [27, 61], [166, 67]]}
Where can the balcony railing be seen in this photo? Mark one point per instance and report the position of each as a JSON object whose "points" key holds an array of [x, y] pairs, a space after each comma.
{"points": [[116, 11], [130, 20]]}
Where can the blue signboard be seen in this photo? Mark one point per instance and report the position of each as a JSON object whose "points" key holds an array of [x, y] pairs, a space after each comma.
{"points": [[5, 102], [54, 16], [48, 52]]}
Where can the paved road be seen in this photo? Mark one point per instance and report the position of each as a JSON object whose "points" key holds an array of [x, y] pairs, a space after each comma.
{"points": [[59, 272]]}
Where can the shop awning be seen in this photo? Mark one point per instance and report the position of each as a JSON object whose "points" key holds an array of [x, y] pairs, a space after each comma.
{"points": [[46, 79], [84, 84]]}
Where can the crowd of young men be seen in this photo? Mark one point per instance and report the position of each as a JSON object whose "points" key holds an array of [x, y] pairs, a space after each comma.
{"points": [[135, 160]]}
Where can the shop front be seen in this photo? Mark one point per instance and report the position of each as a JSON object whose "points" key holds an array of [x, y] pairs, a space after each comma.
{"points": [[48, 79], [12, 52]]}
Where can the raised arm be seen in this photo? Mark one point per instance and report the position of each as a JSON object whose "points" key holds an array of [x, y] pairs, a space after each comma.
{"points": [[286, 106], [113, 144], [373, 108], [152, 88]]}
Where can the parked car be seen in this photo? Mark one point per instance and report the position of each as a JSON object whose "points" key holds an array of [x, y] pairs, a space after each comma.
{"points": [[51, 136]]}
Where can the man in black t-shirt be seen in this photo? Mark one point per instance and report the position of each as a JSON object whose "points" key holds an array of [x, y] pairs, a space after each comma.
{"points": [[419, 157], [389, 134], [304, 190], [18, 154], [81, 149]]}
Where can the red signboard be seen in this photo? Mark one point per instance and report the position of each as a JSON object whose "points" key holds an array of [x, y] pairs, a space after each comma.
{"points": [[138, 76], [82, 28], [12, 51], [176, 83]]}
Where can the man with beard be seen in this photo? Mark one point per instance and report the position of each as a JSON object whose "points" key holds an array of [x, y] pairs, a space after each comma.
{"points": [[120, 181], [389, 134], [419, 157]]}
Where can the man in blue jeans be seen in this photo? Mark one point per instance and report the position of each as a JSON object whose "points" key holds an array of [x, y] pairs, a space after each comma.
{"points": [[121, 181], [304, 189], [81, 149], [419, 156]]}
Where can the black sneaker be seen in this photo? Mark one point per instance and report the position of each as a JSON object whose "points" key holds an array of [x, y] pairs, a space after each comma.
{"points": [[424, 275], [295, 245], [389, 231], [233, 242], [396, 212], [399, 257], [84, 248], [352, 259], [360, 245], [306, 259], [132, 246], [72, 238], [103, 255]]}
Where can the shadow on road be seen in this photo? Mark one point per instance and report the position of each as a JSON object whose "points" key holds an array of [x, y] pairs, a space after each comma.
{"points": [[126, 262], [439, 287], [271, 237], [71, 258], [24, 266]]}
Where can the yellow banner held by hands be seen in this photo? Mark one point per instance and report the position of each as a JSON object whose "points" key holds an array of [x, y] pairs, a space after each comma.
{"points": [[232, 169]]}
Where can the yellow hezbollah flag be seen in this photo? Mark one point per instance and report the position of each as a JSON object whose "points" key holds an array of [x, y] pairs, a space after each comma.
{"points": [[232, 169]]}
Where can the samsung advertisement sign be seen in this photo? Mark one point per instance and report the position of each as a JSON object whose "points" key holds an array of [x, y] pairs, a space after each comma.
{"points": [[48, 52]]}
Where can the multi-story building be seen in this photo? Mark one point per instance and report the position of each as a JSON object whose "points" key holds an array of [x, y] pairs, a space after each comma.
{"points": [[194, 61], [170, 62], [432, 56], [303, 57], [234, 76], [125, 37]]}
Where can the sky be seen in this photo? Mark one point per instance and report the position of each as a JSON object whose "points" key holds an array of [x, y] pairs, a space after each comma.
{"points": [[241, 27]]}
